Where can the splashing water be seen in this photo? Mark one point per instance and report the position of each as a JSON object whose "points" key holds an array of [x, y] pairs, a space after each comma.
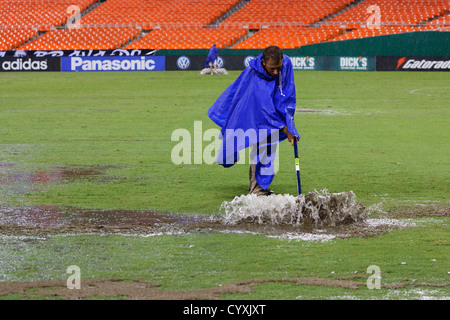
{"points": [[315, 208]]}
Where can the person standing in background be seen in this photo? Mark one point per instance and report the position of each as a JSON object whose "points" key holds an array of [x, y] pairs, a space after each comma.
{"points": [[211, 59]]}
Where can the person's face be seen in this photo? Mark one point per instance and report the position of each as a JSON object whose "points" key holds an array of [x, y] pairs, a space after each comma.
{"points": [[271, 67]]}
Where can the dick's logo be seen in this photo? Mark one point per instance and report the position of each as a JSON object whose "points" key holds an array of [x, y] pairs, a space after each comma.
{"points": [[303, 63], [353, 63]]}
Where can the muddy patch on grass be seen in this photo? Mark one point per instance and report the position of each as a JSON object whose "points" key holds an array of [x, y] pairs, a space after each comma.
{"points": [[42, 220], [54, 220], [20, 179], [16, 174], [126, 289], [315, 216], [422, 211]]}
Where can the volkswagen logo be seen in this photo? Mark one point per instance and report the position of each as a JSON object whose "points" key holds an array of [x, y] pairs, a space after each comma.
{"points": [[220, 62], [183, 62], [247, 60]]}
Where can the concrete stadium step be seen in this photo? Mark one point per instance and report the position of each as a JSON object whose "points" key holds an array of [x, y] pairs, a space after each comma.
{"points": [[330, 16], [238, 6]]}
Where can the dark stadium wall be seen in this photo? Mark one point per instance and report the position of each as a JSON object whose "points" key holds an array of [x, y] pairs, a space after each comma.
{"points": [[423, 43]]}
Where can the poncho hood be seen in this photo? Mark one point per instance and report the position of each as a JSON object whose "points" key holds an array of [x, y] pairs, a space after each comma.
{"points": [[256, 65]]}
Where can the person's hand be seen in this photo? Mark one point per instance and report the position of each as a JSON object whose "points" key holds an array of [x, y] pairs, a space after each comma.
{"points": [[290, 136]]}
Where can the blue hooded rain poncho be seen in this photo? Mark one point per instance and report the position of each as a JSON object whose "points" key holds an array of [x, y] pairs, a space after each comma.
{"points": [[251, 112], [212, 55]]}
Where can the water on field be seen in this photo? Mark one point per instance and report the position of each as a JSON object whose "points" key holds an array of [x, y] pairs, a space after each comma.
{"points": [[314, 208]]}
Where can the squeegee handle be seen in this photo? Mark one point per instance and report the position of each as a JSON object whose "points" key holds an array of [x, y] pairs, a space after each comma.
{"points": [[297, 168]]}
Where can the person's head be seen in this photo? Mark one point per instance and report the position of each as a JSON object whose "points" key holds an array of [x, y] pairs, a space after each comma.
{"points": [[272, 60]]}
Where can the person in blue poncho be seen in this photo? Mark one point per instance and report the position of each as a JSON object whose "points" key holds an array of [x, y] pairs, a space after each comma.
{"points": [[257, 111], [211, 59]]}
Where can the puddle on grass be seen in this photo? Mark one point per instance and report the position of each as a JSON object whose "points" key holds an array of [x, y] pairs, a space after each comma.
{"points": [[283, 217], [316, 216], [317, 208], [42, 220]]}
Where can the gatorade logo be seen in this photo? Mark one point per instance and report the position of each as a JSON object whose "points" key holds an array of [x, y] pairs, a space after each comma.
{"points": [[400, 62], [422, 64]]}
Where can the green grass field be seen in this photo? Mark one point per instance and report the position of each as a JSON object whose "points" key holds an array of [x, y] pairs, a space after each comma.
{"points": [[382, 135]]}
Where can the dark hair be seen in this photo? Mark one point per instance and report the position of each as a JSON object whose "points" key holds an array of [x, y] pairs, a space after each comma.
{"points": [[273, 53]]}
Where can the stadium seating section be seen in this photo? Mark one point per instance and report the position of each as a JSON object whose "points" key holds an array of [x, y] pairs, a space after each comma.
{"points": [[194, 24]]}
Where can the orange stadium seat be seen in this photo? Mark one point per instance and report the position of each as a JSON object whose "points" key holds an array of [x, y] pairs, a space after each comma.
{"points": [[262, 12], [188, 37], [443, 22], [13, 38], [405, 13], [194, 24], [392, 13], [394, 17], [174, 23], [38, 12], [288, 37], [286, 23], [83, 38], [35, 15], [200, 12]]}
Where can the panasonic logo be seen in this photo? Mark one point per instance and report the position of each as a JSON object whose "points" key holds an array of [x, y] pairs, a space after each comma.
{"points": [[423, 64], [112, 64]]}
